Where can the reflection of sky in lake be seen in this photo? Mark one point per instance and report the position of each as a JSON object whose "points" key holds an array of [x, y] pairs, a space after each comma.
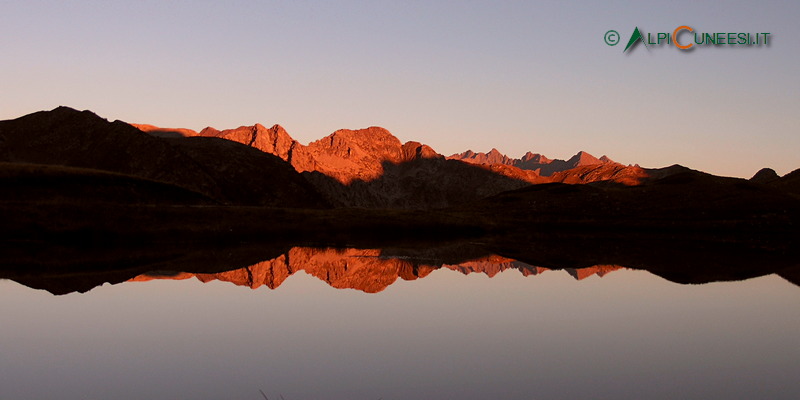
{"points": [[626, 335]]}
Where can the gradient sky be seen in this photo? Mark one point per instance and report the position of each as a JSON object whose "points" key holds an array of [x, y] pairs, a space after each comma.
{"points": [[457, 75]]}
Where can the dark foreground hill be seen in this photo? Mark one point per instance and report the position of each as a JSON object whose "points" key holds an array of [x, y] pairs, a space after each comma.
{"points": [[223, 171], [789, 183], [684, 200]]}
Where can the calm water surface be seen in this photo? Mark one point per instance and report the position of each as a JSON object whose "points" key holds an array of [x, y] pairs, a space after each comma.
{"points": [[626, 335]]}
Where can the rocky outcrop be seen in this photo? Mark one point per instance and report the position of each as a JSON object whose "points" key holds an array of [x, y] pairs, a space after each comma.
{"points": [[272, 140]]}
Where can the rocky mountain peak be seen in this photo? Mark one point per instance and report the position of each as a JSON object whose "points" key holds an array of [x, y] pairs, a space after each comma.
{"points": [[583, 158], [369, 138], [536, 158], [272, 140]]}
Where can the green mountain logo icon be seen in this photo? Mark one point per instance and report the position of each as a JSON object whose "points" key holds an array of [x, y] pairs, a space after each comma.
{"points": [[635, 37]]}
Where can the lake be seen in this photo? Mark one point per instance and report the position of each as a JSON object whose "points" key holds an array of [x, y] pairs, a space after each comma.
{"points": [[358, 324]]}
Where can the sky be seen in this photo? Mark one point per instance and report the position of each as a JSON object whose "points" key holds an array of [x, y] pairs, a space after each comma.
{"points": [[516, 76]]}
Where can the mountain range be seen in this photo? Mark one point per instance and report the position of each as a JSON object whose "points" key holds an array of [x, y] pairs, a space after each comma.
{"points": [[372, 168], [255, 165], [69, 176]]}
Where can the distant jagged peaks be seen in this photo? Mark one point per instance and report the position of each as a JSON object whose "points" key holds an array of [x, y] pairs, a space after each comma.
{"points": [[492, 157], [535, 158], [583, 158], [531, 161]]}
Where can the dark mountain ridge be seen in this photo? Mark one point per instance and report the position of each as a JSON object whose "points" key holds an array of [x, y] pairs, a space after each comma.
{"points": [[224, 171]]}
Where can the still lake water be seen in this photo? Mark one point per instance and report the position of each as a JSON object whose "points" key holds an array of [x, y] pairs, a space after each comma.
{"points": [[450, 335]]}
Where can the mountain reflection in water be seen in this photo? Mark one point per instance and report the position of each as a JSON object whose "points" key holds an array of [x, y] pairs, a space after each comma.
{"points": [[371, 267], [366, 270]]}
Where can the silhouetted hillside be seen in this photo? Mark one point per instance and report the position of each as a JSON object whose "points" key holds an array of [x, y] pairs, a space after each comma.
{"points": [[247, 176], [225, 171], [682, 200], [789, 183]]}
